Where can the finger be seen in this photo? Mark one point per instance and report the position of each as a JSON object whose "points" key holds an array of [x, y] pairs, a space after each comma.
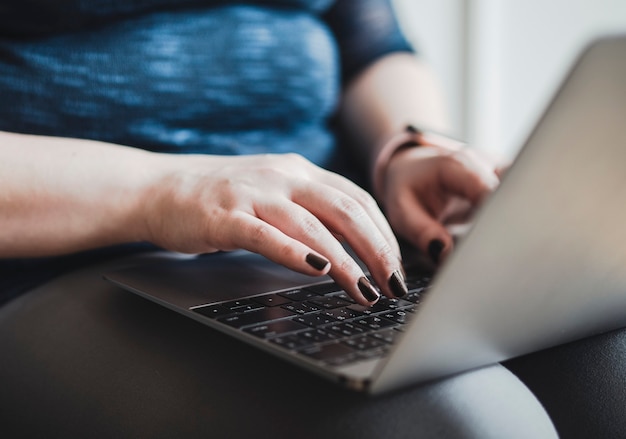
{"points": [[347, 217], [466, 178], [492, 159], [457, 210], [476, 175], [368, 203], [501, 170], [423, 230], [297, 222], [251, 233]]}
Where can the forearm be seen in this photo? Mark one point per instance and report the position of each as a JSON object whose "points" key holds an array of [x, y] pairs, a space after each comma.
{"points": [[396, 90], [63, 195]]}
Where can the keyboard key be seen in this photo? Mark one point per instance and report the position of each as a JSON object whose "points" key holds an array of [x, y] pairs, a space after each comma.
{"points": [[413, 297], [273, 329], [344, 296], [314, 320], [291, 341], [298, 295], [363, 343], [328, 302], [271, 300], [302, 307], [303, 338], [322, 289], [347, 329], [342, 314], [389, 336], [419, 281], [374, 323], [316, 336], [385, 304], [398, 316], [212, 311], [362, 309], [243, 305], [254, 317]]}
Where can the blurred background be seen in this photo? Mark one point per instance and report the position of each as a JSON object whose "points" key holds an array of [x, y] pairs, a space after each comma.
{"points": [[501, 61]]}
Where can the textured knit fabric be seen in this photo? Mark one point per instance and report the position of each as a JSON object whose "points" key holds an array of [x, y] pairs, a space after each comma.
{"points": [[183, 76]]}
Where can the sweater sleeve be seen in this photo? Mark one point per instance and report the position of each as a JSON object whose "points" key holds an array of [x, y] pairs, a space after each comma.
{"points": [[365, 30]]}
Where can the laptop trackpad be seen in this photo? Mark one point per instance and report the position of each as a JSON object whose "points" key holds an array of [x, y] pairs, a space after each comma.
{"points": [[208, 278]]}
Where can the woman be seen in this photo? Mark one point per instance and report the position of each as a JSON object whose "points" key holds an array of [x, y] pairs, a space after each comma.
{"points": [[212, 79], [205, 125]]}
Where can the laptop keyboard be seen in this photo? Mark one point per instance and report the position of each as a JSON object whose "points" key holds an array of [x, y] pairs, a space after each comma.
{"points": [[321, 321]]}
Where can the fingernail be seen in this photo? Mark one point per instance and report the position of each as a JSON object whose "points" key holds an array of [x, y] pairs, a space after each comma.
{"points": [[397, 285], [411, 129], [316, 261], [368, 290], [434, 250]]}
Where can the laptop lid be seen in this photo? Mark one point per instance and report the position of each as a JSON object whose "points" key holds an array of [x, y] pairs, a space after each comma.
{"points": [[545, 261]]}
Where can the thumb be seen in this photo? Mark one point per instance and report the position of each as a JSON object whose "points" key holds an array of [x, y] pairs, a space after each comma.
{"points": [[468, 177]]}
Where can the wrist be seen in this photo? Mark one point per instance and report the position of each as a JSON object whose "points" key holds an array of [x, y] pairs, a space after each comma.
{"points": [[410, 137], [171, 194], [155, 185]]}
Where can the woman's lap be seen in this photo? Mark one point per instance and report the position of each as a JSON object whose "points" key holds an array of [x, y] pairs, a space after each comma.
{"points": [[83, 358], [582, 385]]}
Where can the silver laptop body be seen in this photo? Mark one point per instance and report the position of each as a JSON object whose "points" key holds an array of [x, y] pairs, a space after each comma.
{"points": [[544, 262]]}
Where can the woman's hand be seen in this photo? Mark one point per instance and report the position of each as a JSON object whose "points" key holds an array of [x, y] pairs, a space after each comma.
{"points": [[282, 207], [428, 187], [420, 188], [80, 194]]}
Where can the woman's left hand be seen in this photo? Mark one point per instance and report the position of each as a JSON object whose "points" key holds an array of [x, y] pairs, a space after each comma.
{"points": [[428, 187]]}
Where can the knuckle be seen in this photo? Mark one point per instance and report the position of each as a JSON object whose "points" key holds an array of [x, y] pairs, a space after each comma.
{"points": [[288, 252], [385, 253], [345, 265], [257, 234], [348, 209], [226, 193], [364, 198], [311, 226], [296, 159]]}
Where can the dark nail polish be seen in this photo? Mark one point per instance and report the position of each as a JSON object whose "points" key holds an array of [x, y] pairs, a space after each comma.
{"points": [[368, 290], [434, 250], [412, 129], [408, 144], [317, 262], [397, 285]]}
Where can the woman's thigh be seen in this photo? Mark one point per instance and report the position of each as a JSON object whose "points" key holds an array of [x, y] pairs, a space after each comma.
{"points": [[83, 358], [582, 385]]}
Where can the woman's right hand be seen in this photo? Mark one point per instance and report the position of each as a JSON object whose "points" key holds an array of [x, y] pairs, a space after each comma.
{"points": [[280, 206]]}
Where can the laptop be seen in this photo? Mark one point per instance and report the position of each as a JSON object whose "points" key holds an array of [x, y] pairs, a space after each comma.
{"points": [[544, 263]]}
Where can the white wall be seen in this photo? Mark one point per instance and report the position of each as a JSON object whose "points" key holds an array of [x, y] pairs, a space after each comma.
{"points": [[437, 28], [501, 60]]}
